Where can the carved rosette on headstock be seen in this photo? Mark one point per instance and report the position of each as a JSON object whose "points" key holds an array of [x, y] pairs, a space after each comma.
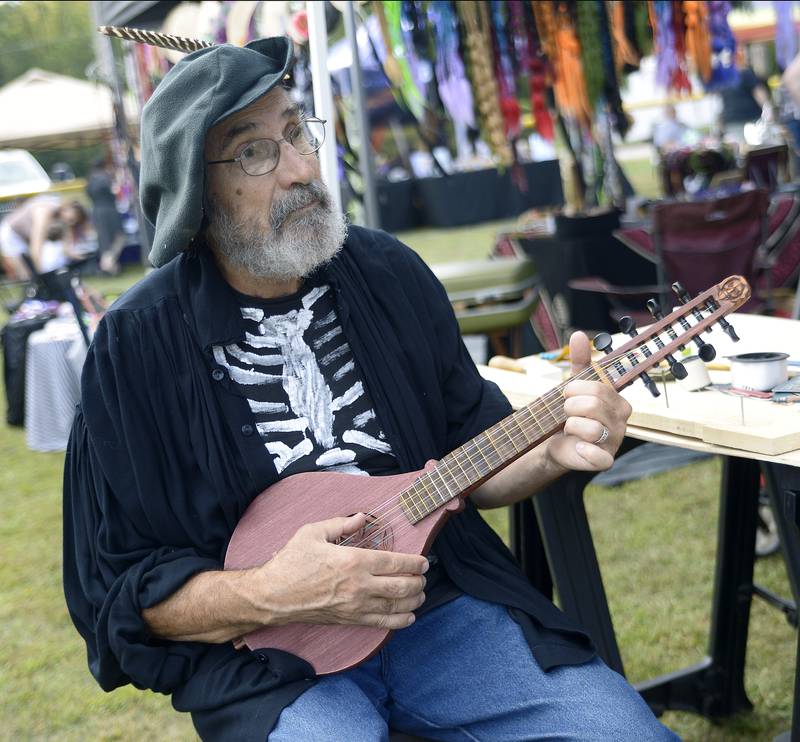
{"points": [[735, 289]]}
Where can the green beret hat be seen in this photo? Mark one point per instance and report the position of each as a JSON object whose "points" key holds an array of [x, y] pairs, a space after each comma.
{"points": [[204, 88]]}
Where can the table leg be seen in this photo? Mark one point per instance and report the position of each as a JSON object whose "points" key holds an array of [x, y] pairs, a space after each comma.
{"points": [[573, 562], [528, 546], [714, 687], [733, 579]]}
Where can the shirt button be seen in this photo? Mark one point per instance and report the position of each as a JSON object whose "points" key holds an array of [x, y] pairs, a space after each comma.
{"points": [[218, 374], [247, 429]]}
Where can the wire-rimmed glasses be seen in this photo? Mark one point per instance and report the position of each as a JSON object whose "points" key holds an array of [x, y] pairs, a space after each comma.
{"points": [[262, 156]]}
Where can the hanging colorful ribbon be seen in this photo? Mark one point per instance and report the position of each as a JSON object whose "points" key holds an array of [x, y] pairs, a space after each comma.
{"points": [[670, 57], [396, 65], [723, 46], [698, 39], [484, 85], [625, 55], [569, 85], [617, 116], [451, 80], [588, 32], [532, 66], [504, 71]]}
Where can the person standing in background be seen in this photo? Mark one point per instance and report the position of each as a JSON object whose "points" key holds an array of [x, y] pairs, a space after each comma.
{"points": [[743, 103], [106, 218]]}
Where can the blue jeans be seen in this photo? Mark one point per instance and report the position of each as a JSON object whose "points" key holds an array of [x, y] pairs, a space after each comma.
{"points": [[464, 671]]}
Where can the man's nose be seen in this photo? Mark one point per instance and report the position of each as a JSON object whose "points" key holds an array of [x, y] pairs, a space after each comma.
{"points": [[296, 168]]}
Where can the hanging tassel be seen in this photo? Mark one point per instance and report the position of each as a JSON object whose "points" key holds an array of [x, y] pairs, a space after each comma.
{"points": [[698, 40], [626, 58], [588, 33], [532, 66], [484, 84], [504, 71], [723, 47], [396, 48], [615, 112], [570, 85]]}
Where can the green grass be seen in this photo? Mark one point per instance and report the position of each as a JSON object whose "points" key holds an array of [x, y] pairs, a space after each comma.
{"points": [[655, 539]]}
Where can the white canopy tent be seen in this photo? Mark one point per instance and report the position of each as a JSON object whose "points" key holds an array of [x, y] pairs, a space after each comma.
{"points": [[41, 110]]}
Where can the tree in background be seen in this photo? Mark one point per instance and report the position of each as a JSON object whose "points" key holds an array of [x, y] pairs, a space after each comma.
{"points": [[55, 36]]}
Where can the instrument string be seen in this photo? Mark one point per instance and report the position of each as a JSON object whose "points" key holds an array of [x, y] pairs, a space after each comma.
{"points": [[393, 510], [392, 507]]}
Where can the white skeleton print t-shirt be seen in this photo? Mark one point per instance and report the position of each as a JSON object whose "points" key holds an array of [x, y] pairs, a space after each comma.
{"points": [[299, 376]]}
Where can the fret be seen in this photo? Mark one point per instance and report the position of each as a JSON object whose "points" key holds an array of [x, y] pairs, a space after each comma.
{"points": [[529, 410], [450, 495], [509, 435], [425, 479], [547, 407], [454, 454], [446, 463], [521, 427], [492, 445], [414, 513], [420, 497], [477, 451]]}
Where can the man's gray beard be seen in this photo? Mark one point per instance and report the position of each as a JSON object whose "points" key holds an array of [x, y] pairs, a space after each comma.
{"points": [[296, 244]]}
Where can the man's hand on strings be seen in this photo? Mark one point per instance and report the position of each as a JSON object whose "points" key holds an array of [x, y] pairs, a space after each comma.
{"points": [[596, 416]]}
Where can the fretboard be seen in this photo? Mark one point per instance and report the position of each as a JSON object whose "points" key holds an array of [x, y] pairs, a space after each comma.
{"points": [[469, 465]]}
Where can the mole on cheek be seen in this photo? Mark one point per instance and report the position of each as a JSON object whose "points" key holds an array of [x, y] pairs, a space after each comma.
{"points": [[238, 191]]}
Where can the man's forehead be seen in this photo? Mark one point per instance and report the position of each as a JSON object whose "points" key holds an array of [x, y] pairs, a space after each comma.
{"points": [[275, 105]]}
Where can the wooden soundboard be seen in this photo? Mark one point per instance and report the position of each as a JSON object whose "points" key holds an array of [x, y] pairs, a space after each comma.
{"points": [[709, 416]]}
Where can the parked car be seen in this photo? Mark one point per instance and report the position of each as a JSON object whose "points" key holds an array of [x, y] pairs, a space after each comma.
{"points": [[21, 174]]}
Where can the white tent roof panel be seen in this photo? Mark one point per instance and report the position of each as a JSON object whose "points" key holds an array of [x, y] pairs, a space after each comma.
{"points": [[41, 108]]}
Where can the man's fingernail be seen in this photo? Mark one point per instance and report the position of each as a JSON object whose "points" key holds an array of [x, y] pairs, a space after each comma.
{"points": [[425, 566]]}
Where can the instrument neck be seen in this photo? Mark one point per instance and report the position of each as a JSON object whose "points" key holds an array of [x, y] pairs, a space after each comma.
{"points": [[470, 465]]}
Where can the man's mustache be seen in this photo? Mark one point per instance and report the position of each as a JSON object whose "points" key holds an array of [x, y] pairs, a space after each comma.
{"points": [[297, 197]]}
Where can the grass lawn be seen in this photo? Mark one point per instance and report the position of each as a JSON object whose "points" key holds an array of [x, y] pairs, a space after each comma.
{"points": [[655, 540]]}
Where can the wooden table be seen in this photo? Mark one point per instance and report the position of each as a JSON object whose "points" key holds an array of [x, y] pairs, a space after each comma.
{"points": [[554, 525]]}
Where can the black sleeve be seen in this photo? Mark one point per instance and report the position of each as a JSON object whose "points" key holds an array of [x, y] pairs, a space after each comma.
{"points": [[117, 558]]}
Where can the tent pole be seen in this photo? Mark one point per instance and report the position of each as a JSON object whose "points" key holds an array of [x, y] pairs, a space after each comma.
{"points": [[106, 62], [323, 98], [365, 160]]}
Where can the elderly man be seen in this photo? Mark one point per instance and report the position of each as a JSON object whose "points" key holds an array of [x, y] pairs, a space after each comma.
{"points": [[271, 341]]}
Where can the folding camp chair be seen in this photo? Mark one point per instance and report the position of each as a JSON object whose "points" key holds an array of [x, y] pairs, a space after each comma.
{"points": [[698, 243], [63, 284]]}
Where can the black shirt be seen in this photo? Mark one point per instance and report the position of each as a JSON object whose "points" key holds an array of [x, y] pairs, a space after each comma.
{"points": [[738, 103], [163, 461]]}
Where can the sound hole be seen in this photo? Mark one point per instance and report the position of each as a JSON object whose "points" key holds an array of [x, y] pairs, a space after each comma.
{"points": [[374, 535]]}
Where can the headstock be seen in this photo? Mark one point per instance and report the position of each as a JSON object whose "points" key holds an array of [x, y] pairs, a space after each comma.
{"points": [[673, 332]]}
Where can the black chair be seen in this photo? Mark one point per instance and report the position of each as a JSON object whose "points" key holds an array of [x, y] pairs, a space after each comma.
{"points": [[63, 284]]}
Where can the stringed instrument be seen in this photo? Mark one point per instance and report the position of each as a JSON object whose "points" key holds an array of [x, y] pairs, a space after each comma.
{"points": [[406, 511]]}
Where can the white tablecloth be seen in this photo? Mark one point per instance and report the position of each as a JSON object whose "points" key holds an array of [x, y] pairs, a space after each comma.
{"points": [[53, 365]]}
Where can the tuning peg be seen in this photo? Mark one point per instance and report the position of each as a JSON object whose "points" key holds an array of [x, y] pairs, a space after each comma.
{"points": [[727, 327], [655, 309], [677, 368], [704, 349], [683, 295], [602, 342], [627, 325], [650, 384]]}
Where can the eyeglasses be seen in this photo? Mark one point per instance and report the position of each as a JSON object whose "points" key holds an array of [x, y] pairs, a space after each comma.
{"points": [[262, 156]]}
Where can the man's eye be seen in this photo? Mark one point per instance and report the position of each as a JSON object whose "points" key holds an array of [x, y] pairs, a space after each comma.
{"points": [[248, 152]]}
